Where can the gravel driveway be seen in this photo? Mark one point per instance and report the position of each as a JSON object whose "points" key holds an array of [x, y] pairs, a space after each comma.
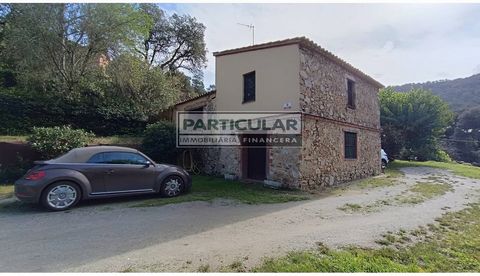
{"points": [[183, 237]]}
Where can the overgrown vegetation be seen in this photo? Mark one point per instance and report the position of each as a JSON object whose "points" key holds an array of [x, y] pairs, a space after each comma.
{"points": [[463, 136], [54, 141], [452, 245], [159, 142], [106, 68], [464, 143], [207, 188]]}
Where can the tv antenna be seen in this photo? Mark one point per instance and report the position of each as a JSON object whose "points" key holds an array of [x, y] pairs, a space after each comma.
{"points": [[252, 28]]}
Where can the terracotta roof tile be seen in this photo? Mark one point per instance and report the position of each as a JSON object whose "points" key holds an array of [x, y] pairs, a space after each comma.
{"points": [[197, 97], [305, 42]]}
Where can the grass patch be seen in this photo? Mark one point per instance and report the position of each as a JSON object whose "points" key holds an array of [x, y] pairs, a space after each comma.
{"points": [[350, 207], [399, 238], [452, 245], [458, 169], [13, 138], [422, 191], [6, 191], [389, 178], [430, 190], [236, 266], [206, 188], [373, 207], [416, 194], [353, 260], [204, 268]]}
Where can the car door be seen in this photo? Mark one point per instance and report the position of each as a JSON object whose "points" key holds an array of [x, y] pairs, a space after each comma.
{"points": [[128, 172], [95, 173]]}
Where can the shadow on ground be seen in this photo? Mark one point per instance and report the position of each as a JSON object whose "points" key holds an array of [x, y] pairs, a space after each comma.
{"points": [[35, 240]]}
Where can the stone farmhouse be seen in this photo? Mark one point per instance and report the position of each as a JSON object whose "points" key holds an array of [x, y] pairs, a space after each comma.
{"points": [[339, 106]]}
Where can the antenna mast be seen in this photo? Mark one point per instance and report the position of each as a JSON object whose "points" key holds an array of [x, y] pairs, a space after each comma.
{"points": [[251, 27]]}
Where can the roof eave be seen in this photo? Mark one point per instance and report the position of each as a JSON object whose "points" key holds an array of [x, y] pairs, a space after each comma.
{"points": [[305, 42], [197, 97]]}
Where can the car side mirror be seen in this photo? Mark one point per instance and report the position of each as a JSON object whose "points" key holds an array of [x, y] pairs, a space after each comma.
{"points": [[147, 164]]}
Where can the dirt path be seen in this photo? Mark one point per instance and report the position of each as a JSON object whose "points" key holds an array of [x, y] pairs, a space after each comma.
{"points": [[284, 227]]}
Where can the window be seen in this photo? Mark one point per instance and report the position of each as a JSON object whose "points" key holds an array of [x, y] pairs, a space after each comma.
{"points": [[249, 87], [351, 93], [350, 145], [118, 158], [97, 158]]}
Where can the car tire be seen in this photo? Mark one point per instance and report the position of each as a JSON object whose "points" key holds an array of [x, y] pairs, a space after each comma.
{"points": [[172, 185], [60, 196], [384, 165]]}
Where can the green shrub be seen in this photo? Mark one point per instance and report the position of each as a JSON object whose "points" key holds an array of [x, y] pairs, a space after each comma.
{"points": [[442, 156], [20, 111], [159, 142], [51, 142]]}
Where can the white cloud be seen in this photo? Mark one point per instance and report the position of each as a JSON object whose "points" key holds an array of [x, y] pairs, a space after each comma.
{"points": [[395, 43]]}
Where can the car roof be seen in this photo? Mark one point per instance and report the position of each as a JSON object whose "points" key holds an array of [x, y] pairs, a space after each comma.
{"points": [[82, 155]]}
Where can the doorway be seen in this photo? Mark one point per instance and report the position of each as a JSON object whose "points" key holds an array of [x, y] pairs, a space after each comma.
{"points": [[255, 158]]}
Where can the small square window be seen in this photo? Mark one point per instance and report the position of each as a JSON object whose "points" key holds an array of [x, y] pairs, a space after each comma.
{"points": [[350, 145], [249, 87], [351, 93]]}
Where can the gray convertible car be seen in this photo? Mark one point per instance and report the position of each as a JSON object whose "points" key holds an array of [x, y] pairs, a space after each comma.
{"points": [[98, 172]]}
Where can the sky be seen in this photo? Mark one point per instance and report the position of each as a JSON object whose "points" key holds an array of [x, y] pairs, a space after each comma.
{"points": [[393, 43]]}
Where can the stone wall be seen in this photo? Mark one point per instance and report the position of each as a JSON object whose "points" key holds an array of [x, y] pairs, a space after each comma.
{"points": [[283, 166], [323, 163], [323, 99], [323, 91]]}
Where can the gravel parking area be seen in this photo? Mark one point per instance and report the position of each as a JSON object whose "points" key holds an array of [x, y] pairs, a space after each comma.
{"points": [[188, 236]]}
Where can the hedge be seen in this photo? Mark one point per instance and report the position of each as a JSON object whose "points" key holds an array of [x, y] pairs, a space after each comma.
{"points": [[20, 113]]}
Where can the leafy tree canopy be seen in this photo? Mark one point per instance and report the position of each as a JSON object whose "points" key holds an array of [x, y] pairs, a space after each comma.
{"points": [[466, 136], [58, 44], [412, 123], [174, 42], [131, 60]]}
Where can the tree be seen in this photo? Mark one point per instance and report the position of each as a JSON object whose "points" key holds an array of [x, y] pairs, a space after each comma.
{"points": [[147, 90], [55, 45], [122, 63], [211, 88], [412, 123], [466, 136], [175, 42], [7, 78]]}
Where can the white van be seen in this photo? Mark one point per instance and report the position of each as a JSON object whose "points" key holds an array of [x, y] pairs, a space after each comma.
{"points": [[384, 157]]}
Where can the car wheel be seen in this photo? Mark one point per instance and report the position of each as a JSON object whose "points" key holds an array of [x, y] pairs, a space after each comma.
{"points": [[172, 186], [60, 196], [384, 164]]}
